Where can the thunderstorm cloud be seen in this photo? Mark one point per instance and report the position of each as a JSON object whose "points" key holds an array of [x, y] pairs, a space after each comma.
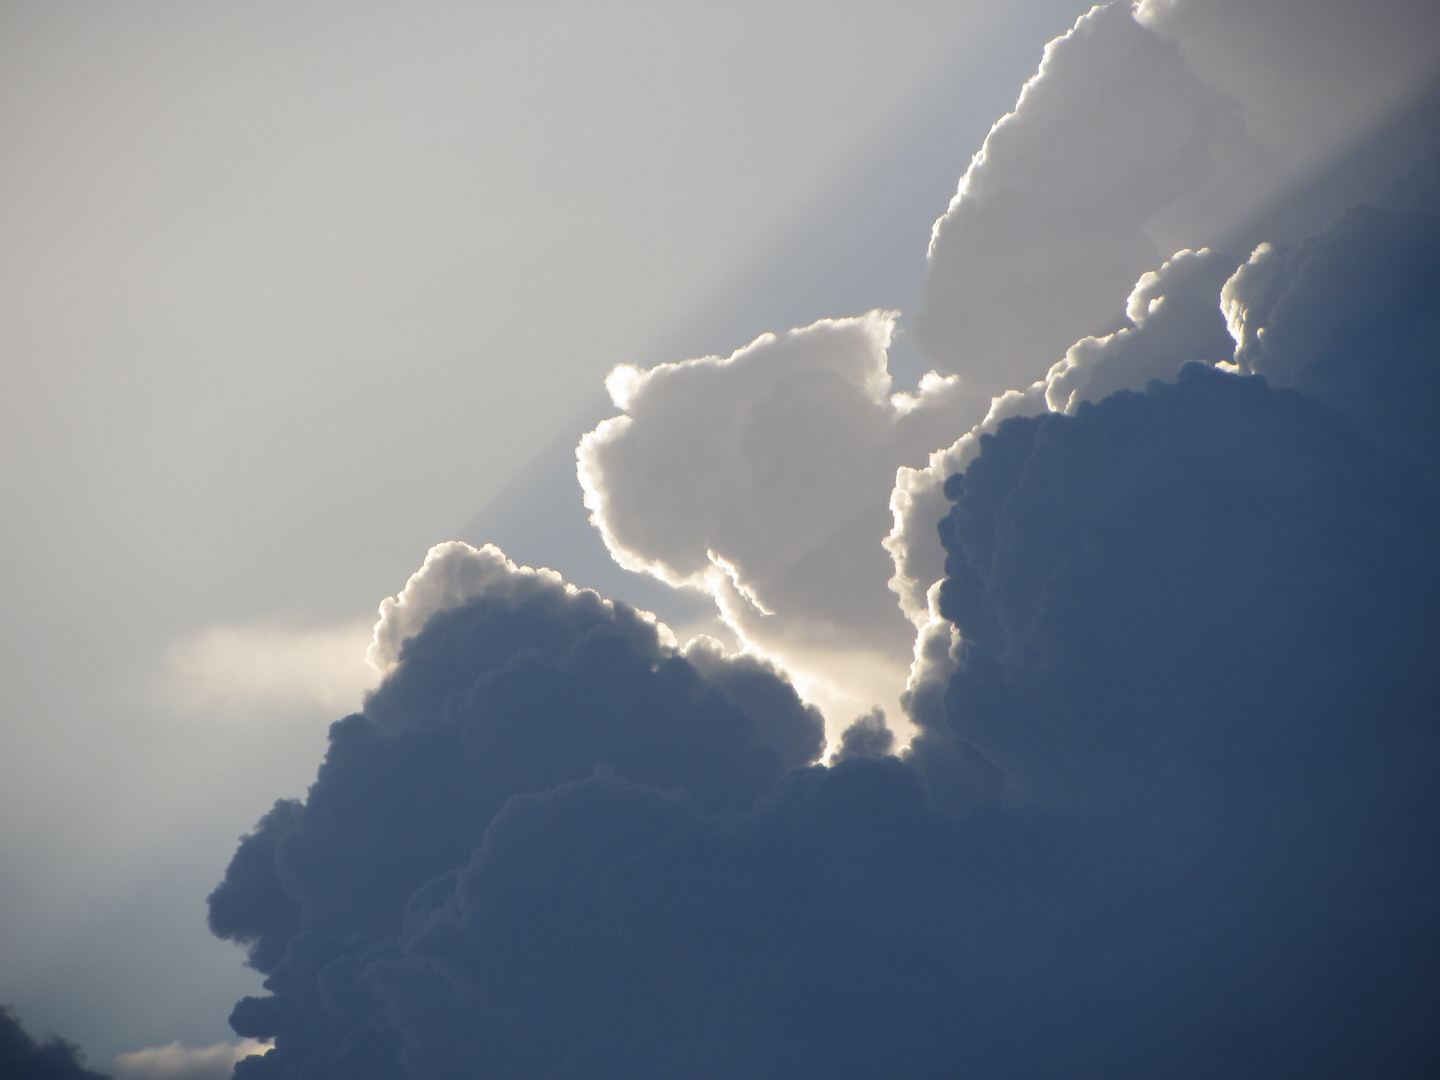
{"points": [[1080, 711]]}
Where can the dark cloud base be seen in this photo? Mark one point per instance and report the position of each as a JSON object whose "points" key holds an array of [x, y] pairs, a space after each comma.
{"points": [[23, 1057], [519, 692], [1197, 835], [1199, 629]]}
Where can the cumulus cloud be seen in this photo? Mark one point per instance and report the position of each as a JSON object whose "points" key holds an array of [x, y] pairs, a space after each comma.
{"points": [[1170, 807], [761, 479], [1303, 110], [177, 1062], [1047, 232], [23, 1057], [527, 684], [1170, 124], [1351, 316], [453, 574], [1296, 551], [1174, 317], [1138, 135], [917, 501], [1191, 720]]}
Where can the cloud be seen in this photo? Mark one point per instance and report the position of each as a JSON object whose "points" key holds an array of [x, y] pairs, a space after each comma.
{"points": [[453, 574], [266, 669], [23, 1057], [1351, 316], [606, 929], [1192, 706], [1171, 566], [176, 1062], [917, 501], [1170, 809], [761, 479], [526, 685], [1265, 56], [1047, 232], [1171, 124], [1174, 317], [1136, 136]]}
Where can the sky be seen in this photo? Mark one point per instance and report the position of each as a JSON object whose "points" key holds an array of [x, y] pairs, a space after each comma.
{"points": [[1027, 715]]}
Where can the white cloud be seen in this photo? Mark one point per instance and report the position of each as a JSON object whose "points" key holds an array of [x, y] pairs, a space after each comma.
{"points": [[754, 477], [1308, 74], [917, 503], [177, 1062], [1174, 315], [454, 573], [1320, 89], [1047, 232], [761, 479]]}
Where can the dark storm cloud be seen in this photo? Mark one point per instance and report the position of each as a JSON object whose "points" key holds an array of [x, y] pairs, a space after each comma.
{"points": [[605, 929], [1199, 632], [526, 685], [23, 1057], [1352, 316], [1198, 698], [1171, 810], [1214, 573]]}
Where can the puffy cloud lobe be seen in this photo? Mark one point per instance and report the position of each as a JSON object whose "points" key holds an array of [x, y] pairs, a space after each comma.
{"points": [[1047, 232], [918, 500], [1196, 703], [761, 478], [527, 685], [1351, 316], [453, 574], [23, 1057], [1197, 631], [1174, 316], [867, 737], [1212, 572]]}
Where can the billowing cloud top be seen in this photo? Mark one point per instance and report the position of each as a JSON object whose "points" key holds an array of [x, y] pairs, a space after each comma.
{"points": [[516, 683], [761, 478], [1048, 229], [1351, 316]]}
